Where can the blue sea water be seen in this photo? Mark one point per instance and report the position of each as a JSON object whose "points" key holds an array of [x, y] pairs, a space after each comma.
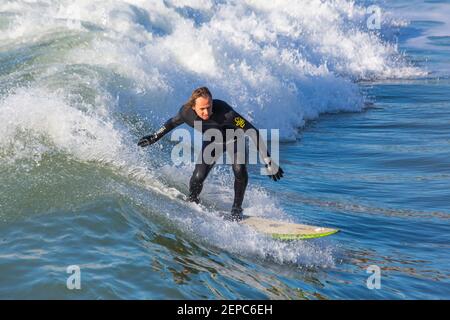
{"points": [[363, 116]]}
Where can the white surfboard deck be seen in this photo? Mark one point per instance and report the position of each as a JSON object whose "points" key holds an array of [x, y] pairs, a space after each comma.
{"points": [[286, 231]]}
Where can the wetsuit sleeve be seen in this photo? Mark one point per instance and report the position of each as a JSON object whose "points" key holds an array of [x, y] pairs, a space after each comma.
{"points": [[239, 122], [169, 125]]}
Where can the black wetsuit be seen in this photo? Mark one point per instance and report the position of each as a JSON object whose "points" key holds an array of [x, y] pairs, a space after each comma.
{"points": [[223, 117]]}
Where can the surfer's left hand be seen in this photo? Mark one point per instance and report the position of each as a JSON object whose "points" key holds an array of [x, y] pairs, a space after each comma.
{"points": [[274, 171]]}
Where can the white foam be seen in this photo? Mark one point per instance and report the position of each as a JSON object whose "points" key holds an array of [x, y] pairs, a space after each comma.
{"points": [[278, 63], [36, 120]]}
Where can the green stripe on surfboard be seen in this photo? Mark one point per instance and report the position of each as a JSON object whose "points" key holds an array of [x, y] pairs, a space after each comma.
{"points": [[283, 230], [302, 236]]}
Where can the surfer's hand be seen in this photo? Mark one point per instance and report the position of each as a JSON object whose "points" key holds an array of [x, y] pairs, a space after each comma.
{"points": [[273, 171], [147, 140]]}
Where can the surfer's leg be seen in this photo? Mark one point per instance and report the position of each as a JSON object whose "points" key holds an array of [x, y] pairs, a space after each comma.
{"points": [[240, 181], [201, 171], [240, 184], [196, 183]]}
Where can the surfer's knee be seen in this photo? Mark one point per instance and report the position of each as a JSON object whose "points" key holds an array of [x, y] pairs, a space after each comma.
{"points": [[199, 174], [240, 172]]}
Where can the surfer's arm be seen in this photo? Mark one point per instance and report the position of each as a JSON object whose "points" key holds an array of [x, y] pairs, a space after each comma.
{"points": [[239, 122], [166, 128]]}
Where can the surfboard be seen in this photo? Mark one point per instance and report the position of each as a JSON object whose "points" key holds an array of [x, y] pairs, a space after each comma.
{"points": [[285, 230], [277, 229]]}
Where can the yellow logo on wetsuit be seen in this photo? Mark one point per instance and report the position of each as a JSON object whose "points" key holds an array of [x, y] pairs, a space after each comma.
{"points": [[239, 122]]}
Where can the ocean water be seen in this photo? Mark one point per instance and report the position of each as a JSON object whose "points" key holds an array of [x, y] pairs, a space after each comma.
{"points": [[364, 122]]}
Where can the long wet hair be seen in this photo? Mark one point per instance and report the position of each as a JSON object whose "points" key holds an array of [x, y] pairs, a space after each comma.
{"points": [[197, 93]]}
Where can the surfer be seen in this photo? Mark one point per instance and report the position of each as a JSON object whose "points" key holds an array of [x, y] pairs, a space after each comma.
{"points": [[216, 114]]}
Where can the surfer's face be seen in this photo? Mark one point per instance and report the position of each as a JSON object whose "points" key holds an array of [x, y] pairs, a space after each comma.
{"points": [[203, 107]]}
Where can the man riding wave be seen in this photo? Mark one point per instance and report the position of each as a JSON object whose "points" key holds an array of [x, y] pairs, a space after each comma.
{"points": [[216, 114]]}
